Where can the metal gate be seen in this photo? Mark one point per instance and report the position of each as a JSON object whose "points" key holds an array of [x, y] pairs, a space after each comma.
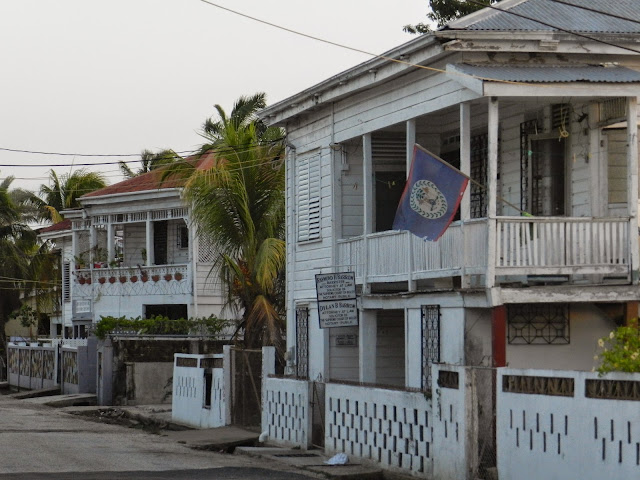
{"points": [[246, 387]]}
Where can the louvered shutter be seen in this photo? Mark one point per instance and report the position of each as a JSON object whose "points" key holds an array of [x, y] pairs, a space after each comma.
{"points": [[308, 198]]}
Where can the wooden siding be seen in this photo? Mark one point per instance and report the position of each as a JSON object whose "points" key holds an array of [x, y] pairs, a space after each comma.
{"points": [[343, 360]]}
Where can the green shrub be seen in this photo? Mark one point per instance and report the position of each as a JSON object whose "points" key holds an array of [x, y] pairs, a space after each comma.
{"points": [[161, 325], [620, 351]]}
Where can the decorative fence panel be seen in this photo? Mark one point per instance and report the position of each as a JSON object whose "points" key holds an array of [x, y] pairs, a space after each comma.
{"points": [[69, 371], [199, 392], [286, 411], [391, 427], [565, 424], [32, 367]]}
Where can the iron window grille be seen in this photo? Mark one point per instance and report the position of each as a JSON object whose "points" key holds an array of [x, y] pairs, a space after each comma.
{"points": [[538, 324], [430, 342], [302, 341]]}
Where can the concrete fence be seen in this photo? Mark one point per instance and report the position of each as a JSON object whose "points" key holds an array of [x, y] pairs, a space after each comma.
{"points": [[565, 424], [32, 367]]}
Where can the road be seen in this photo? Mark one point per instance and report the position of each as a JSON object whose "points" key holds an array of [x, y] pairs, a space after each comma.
{"points": [[39, 442]]}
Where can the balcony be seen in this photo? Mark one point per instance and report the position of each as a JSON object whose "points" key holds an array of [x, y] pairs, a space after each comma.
{"points": [[521, 246], [148, 280]]}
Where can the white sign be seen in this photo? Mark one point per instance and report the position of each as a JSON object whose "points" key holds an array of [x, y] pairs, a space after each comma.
{"points": [[335, 286], [338, 313]]}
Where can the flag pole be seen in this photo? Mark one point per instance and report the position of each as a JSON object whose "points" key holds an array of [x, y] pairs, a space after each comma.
{"points": [[478, 184]]}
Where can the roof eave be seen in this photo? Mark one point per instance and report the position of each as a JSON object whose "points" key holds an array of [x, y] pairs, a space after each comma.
{"points": [[417, 51]]}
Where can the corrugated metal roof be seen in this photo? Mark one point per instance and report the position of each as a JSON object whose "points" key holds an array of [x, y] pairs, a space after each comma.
{"points": [[557, 14], [551, 73]]}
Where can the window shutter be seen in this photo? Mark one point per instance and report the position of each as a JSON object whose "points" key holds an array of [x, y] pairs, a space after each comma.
{"points": [[308, 198], [66, 281]]}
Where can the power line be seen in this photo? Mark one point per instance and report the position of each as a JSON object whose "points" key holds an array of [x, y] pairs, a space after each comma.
{"points": [[560, 29], [66, 154], [594, 10]]}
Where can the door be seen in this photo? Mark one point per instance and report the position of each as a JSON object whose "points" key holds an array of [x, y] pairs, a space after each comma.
{"points": [[389, 187]]}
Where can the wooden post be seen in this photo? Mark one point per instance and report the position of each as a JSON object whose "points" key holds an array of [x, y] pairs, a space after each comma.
{"points": [[632, 185], [492, 191], [367, 180], [499, 335], [465, 167], [411, 140]]}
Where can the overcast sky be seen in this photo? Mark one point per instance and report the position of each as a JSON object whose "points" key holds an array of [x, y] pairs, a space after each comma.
{"points": [[119, 76]]}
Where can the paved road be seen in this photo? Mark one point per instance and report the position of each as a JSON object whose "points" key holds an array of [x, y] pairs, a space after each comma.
{"points": [[38, 442]]}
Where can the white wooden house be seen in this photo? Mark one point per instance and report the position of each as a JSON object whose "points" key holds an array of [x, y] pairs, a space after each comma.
{"points": [[131, 251], [538, 114]]}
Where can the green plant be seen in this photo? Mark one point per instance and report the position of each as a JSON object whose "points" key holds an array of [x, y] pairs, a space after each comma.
{"points": [[620, 351], [161, 325], [28, 317]]}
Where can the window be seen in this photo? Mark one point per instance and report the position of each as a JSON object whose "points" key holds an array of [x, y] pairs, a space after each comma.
{"points": [[538, 324], [308, 198], [183, 237]]}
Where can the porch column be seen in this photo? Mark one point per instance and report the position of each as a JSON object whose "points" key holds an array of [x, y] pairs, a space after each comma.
{"points": [[499, 336], [75, 240], [632, 184], [111, 254], [492, 191], [367, 221], [367, 345], [411, 140], [149, 239], [92, 244], [465, 167]]}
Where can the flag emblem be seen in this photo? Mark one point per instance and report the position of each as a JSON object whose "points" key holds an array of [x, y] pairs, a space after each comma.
{"points": [[427, 200], [431, 196]]}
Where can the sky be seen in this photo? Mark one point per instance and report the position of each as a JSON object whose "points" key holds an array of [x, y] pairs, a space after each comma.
{"points": [[120, 76]]}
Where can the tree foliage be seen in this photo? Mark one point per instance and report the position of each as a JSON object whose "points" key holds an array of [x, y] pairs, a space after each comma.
{"points": [[150, 161], [161, 325], [444, 11], [620, 351], [237, 202]]}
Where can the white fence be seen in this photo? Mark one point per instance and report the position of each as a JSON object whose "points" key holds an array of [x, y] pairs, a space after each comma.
{"points": [[559, 424], [199, 394], [286, 411]]}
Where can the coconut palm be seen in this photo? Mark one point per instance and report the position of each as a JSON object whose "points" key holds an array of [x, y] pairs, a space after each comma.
{"points": [[150, 161], [237, 199], [64, 191]]}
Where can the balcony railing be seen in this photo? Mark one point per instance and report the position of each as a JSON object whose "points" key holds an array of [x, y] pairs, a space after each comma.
{"points": [[523, 246], [147, 280]]}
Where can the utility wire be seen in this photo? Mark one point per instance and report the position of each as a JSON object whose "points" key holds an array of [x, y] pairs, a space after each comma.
{"points": [[594, 10], [571, 32]]}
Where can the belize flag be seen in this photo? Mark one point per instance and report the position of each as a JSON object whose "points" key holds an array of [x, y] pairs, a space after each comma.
{"points": [[431, 196]]}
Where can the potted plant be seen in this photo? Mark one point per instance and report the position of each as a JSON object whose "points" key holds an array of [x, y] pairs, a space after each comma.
{"points": [[134, 278], [80, 261], [82, 280], [101, 280], [168, 277], [123, 279], [112, 279], [178, 276], [144, 278], [155, 278]]}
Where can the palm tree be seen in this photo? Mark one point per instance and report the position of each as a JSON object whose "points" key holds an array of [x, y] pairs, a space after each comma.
{"points": [[150, 161], [238, 204], [17, 245], [64, 191]]}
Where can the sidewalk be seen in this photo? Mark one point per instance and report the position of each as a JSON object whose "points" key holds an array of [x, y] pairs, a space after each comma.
{"points": [[229, 439]]}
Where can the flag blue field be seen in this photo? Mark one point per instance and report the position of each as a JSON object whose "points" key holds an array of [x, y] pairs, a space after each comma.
{"points": [[431, 196]]}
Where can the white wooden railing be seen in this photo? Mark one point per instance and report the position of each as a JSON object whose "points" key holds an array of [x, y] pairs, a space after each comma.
{"points": [[524, 246], [554, 245]]}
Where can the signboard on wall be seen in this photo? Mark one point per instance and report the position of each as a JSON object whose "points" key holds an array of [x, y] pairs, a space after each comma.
{"points": [[337, 302]]}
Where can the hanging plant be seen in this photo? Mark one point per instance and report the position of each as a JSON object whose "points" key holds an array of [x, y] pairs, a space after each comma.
{"points": [[178, 276], [123, 279], [168, 277], [134, 278], [155, 278], [112, 279], [101, 280], [81, 280], [144, 278]]}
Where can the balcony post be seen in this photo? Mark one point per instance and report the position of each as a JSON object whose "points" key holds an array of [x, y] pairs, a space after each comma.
{"points": [[492, 190], [411, 140], [632, 184], [465, 167], [149, 239], [110, 241], [367, 175]]}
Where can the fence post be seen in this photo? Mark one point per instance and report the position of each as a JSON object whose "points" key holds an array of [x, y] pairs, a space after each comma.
{"points": [[227, 368], [268, 368]]}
